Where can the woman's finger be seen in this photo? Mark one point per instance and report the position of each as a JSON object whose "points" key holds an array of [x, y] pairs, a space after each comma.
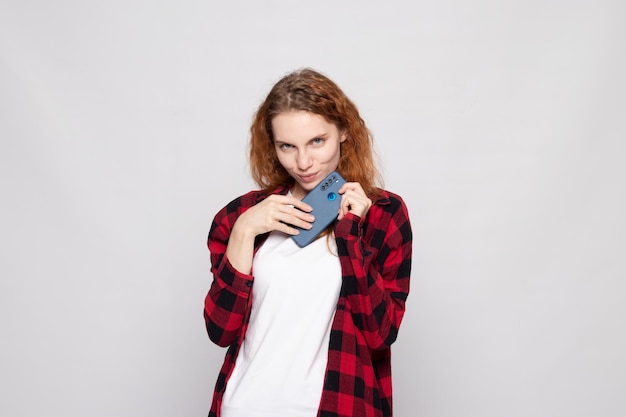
{"points": [[354, 201]]}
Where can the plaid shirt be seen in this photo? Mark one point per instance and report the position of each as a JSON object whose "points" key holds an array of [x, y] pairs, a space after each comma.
{"points": [[375, 257]]}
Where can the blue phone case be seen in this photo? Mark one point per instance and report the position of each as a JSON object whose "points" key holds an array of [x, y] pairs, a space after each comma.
{"points": [[325, 200]]}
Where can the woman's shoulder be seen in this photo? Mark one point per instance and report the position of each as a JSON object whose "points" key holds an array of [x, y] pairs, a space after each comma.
{"points": [[242, 202], [227, 215], [389, 217], [245, 201], [388, 200]]}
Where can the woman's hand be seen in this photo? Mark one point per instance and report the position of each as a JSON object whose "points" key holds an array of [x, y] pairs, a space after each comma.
{"points": [[353, 200], [276, 212]]}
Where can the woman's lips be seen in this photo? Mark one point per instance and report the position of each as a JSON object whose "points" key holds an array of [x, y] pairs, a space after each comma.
{"points": [[308, 178]]}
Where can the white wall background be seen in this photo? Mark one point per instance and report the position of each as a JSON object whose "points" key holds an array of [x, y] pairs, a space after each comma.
{"points": [[123, 128]]}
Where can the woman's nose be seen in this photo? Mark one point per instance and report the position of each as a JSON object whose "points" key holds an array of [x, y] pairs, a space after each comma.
{"points": [[304, 161]]}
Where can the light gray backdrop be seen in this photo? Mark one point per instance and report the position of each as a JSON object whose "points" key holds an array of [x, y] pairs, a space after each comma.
{"points": [[124, 125]]}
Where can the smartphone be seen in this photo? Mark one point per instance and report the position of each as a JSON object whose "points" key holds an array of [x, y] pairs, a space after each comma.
{"points": [[325, 200]]}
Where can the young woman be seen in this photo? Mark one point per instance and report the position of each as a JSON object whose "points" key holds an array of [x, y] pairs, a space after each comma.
{"points": [[309, 329]]}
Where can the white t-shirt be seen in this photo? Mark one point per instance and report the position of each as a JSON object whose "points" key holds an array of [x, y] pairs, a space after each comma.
{"points": [[280, 368]]}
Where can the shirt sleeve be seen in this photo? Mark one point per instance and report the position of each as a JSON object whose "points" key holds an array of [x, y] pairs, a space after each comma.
{"points": [[376, 265], [226, 303]]}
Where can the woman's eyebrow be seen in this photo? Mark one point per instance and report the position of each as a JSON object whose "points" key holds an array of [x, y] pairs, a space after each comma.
{"points": [[287, 142]]}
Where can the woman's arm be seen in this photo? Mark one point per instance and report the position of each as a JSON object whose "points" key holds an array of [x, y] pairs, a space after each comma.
{"points": [[231, 243], [226, 303], [377, 271]]}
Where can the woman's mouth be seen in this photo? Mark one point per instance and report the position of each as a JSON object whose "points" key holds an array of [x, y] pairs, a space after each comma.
{"points": [[308, 178]]}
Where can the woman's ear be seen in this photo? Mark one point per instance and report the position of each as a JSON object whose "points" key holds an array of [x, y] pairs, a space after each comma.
{"points": [[344, 136]]}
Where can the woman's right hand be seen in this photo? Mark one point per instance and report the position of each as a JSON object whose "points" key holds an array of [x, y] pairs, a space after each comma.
{"points": [[276, 212]]}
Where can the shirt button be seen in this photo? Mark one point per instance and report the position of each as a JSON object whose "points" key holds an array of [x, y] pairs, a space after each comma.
{"points": [[249, 283]]}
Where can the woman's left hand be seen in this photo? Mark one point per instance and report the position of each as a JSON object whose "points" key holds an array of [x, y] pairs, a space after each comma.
{"points": [[353, 200]]}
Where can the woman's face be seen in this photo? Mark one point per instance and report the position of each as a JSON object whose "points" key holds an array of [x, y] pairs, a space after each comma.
{"points": [[307, 146]]}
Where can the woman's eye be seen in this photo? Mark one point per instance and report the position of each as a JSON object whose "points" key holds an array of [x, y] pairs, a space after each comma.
{"points": [[285, 146], [318, 141]]}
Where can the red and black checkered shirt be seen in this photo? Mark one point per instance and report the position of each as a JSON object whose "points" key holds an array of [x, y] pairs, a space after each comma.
{"points": [[375, 257]]}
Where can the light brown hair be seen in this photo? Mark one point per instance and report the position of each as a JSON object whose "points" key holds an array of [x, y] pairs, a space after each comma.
{"points": [[308, 90]]}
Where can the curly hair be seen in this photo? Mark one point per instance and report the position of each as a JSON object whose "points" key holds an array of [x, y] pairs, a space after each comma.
{"points": [[308, 90]]}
